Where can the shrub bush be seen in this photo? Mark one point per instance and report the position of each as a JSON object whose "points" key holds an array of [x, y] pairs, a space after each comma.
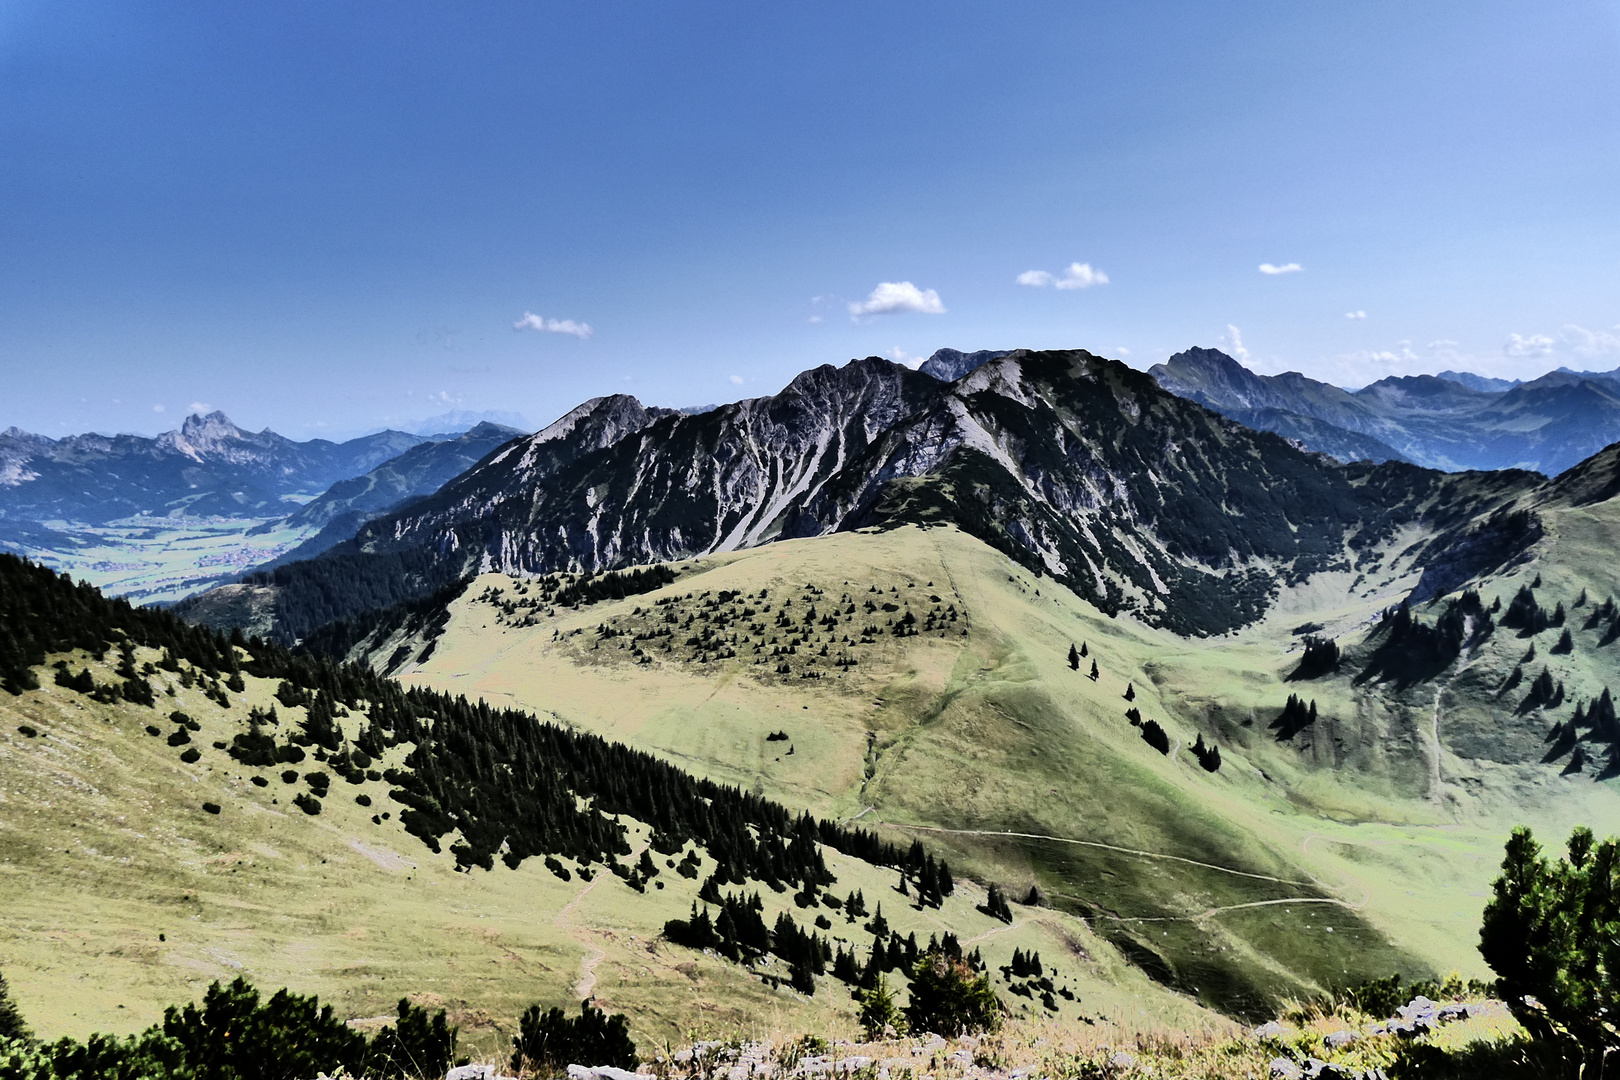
{"points": [[548, 1042], [1549, 933], [949, 998], [234, 1035]]}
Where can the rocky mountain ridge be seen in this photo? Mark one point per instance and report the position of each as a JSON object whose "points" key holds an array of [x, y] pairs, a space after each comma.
{"points": [[1078, 467]]}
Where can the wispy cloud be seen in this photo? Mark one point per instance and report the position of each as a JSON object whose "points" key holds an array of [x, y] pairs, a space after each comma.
{"points": [[1285, 268], [200, 408], [531, 321], [737, 380], [1079, 275], [894, 297], [1233, 340], [900, 356], [1591, 344], [1522, 346], [1356, 315], [1572, 344], [160, 408]]}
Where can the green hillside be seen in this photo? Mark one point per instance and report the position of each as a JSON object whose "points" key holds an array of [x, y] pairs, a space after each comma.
{"points": [[140, 859], [1357, 847]]}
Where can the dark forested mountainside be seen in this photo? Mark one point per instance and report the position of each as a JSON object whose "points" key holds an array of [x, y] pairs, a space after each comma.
{"points": [[1451, 421], [423, 469], [1076, 466], [208, 466], [420, 470]]}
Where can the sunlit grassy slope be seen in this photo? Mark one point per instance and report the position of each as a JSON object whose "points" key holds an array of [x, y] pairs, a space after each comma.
{"points": [[120, 893], [1360, 848]]}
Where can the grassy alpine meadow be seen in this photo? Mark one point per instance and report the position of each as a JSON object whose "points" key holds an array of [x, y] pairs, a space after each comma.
{"points": [[132, 877], [1362, 847]]}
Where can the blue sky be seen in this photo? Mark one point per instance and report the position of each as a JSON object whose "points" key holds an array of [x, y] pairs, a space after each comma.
{"points": [[326, 217]]}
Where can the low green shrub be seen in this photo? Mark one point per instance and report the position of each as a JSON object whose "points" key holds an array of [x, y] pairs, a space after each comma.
{"points": [[235, 1035], [548, 1042]]}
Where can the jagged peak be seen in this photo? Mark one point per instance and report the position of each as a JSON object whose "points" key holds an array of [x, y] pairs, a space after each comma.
{"points": [[948, 365], [201, 435], [607, 405], [18, 434], [826, 379], [215, 422]]}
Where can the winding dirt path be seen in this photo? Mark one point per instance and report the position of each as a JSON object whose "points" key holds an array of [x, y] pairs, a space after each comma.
{"points": [[1208, 912], [1106, 847], [594, 953]]}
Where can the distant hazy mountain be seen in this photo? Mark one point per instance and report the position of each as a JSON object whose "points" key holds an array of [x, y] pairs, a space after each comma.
{"points": [[421, 470], [1548, 424], [208, 466], [454, 423], [948, 365], [1479, 382]]}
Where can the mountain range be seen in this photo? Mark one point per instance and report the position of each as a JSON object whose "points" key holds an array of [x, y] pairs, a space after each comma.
{"points": [[1451, 421], [207, 467], [1228, 720], [1077, 467]]}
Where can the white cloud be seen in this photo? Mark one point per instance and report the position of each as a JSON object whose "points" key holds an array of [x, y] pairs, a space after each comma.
{"points": [[1573, 343], [531, 321], [1355, 315], [737, 380], [900, 356], [159, 408], [1521, 346], [892, 297], [1233, 340], [1285, 268], [1590, 344], [1079, 275], [201, 407]]}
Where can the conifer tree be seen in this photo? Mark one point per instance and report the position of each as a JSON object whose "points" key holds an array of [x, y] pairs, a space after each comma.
{"points": [[12, 1025]]}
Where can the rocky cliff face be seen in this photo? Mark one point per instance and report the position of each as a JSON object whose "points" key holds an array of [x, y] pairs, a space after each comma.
{"points": [[1076, 466]]}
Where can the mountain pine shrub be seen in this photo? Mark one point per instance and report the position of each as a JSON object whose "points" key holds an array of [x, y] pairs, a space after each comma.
{"points": [[1551, 932], [548, 1042], [949, 997]]}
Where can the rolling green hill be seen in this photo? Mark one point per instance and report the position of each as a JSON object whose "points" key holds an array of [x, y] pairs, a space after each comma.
{"points": [[147, 849], [1362, 844]]}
